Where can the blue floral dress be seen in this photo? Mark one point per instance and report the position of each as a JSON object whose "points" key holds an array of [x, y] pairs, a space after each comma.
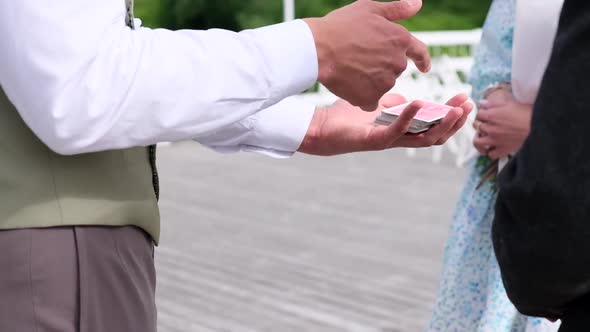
{"points": [[471, 296]]}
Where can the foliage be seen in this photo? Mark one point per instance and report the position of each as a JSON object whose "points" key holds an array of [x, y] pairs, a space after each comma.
{"points": [[243, 14]]}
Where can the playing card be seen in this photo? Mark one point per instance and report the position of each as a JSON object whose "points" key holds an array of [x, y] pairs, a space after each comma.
{"points": [[430, 112], [429, 115]]}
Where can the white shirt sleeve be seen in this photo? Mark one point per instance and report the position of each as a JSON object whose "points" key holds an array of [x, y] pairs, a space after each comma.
{"points": [[277, 131], [83, 81]]}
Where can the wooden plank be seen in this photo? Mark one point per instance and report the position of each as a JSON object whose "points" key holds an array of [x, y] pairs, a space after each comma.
{"points": [[350, 243]]}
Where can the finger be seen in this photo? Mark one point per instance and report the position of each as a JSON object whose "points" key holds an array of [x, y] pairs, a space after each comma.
{"points": [[402, 124], [458, 100], [397, 10], [467, 108], [418, 52], [391, 100], [487, 104], [482, 144], [476, 124], [483, 151], [399, 66], [384, 137], [485, 115], [493, 154], [433, 135], [484, 128]]}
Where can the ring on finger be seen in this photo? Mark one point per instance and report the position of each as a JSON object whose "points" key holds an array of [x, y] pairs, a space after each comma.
{"points": [[477, 125]]}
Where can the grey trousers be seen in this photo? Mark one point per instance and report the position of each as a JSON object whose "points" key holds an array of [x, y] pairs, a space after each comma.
{"points": [[77, 279]]}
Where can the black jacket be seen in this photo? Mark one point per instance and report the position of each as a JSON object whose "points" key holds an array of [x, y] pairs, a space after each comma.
{"points": [[541, 232]]}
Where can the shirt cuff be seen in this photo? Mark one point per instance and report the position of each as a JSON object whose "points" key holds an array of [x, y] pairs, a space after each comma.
{"points": [[283, 126], [277, 131], [291, 55]]}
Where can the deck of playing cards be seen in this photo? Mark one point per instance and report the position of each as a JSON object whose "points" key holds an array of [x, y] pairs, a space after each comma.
{"points": [[429, 115]]}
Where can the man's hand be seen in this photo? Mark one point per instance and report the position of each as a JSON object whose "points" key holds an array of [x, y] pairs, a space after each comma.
{"points": [[343, 128], [361, 53]]}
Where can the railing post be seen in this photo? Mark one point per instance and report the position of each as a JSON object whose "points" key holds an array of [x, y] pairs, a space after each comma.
{"points": [[288, 10]]}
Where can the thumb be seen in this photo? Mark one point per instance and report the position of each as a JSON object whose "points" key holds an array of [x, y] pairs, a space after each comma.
{"points": [[397, 10], [391, 100]]}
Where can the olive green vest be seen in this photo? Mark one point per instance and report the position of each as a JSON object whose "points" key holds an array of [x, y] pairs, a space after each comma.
{"points": [[39, 188]]}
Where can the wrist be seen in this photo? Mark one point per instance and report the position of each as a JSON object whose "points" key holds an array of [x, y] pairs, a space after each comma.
{"points": [[495, 87], [325, 67], [313, 135]]}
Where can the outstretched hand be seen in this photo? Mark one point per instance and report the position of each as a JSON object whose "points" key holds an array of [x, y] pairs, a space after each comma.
{"points": [[343, 128]]}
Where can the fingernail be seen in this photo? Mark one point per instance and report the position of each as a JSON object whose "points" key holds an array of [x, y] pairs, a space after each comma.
{"points": [[483, 103], [413, 3]]}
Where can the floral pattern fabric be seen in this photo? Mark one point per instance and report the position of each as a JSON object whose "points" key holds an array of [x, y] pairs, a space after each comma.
{"points": [[471, 296]]}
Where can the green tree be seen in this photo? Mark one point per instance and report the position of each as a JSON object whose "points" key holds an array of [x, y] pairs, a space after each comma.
{"points": [[242, 14], [179, 14]]}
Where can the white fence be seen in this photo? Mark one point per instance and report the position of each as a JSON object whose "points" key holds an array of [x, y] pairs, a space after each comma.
{"points": [[452, 53]]}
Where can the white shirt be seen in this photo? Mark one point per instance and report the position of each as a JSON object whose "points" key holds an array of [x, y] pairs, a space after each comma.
{"points": [[83, 81], [534, 35]]}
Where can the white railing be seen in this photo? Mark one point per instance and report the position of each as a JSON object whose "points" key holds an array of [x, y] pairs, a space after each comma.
{"points": [[452, 53], [288, 10]]}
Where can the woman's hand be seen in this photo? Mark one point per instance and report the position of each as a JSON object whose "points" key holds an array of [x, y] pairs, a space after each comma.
{"points": [[502, 125]]}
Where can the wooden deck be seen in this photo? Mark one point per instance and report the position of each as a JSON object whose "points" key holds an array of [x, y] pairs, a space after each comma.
{"points": [[350, 243]]}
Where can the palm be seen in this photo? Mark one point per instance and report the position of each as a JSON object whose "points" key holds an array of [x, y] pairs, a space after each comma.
{"points": [[352, 125], [345, 128]]}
